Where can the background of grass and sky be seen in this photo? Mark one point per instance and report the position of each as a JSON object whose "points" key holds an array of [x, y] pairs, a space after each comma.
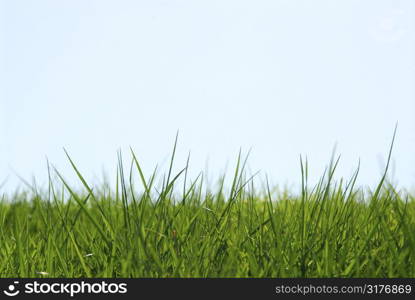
{"points": [[280, 78]]}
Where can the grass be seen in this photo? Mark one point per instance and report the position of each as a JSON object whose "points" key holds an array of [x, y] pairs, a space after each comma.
{"points": [[332, 229]]}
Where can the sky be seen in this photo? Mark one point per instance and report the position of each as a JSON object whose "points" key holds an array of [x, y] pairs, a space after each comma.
{"points": [[280, 78]]}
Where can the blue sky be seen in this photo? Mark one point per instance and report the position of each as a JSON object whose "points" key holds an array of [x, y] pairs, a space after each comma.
{"points": [[282, 78]]}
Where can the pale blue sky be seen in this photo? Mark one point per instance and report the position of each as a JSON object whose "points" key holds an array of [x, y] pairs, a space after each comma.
{"points": [[281, 77]]}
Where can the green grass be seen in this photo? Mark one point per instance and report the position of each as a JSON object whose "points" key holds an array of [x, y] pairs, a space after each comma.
{"points": [[332, 229]]}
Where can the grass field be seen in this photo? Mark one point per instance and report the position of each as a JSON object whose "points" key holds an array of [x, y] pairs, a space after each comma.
{"points": [[332, 229]]}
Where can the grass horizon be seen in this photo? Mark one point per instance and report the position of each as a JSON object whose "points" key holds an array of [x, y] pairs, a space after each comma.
{"points": [[333, 228]]}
